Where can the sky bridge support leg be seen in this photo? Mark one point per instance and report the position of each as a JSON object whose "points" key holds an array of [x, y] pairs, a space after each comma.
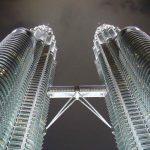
{"points": [[78, 96]]}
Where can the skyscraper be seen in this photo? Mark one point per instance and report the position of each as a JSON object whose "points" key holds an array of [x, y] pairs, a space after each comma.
{"points": [[122, 59], [27, 64]]}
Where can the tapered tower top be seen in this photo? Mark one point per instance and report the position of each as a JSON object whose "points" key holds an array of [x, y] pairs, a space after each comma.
{"points": [[105, 32], [44, 33]]}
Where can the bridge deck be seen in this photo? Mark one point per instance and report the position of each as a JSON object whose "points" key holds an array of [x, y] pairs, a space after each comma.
{"points": [[69, 91]]}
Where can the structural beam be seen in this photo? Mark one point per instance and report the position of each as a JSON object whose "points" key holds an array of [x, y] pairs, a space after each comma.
{"points": [[85, 90], [77, 93]]}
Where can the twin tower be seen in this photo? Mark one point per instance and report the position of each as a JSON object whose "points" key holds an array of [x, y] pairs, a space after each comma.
{"points": [[27, 66]]}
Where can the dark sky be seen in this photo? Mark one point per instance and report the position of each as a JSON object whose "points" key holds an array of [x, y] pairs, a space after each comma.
{"points": [[74, 23]]}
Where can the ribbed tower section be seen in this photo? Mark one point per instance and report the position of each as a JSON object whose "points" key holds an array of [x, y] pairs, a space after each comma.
{"points": [[135, 49], [16, 56], [119, 54], [28, 65]]}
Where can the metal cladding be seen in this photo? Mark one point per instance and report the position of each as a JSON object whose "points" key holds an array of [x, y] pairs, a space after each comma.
{"points": [[123, 60], [15, 51], [135, 50], [27, 65], [43, 33]]}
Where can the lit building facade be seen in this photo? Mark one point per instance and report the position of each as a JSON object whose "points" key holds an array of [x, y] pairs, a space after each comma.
{"points": [[27, 65], [122, 57]]}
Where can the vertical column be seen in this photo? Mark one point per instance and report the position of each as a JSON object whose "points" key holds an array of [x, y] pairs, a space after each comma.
{"points": [[128, 121], [135, 49], [16, 56], [30, 123]]}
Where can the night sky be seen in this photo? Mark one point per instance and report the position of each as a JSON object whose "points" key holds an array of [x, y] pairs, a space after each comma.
{"points": [[74, 23]]}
